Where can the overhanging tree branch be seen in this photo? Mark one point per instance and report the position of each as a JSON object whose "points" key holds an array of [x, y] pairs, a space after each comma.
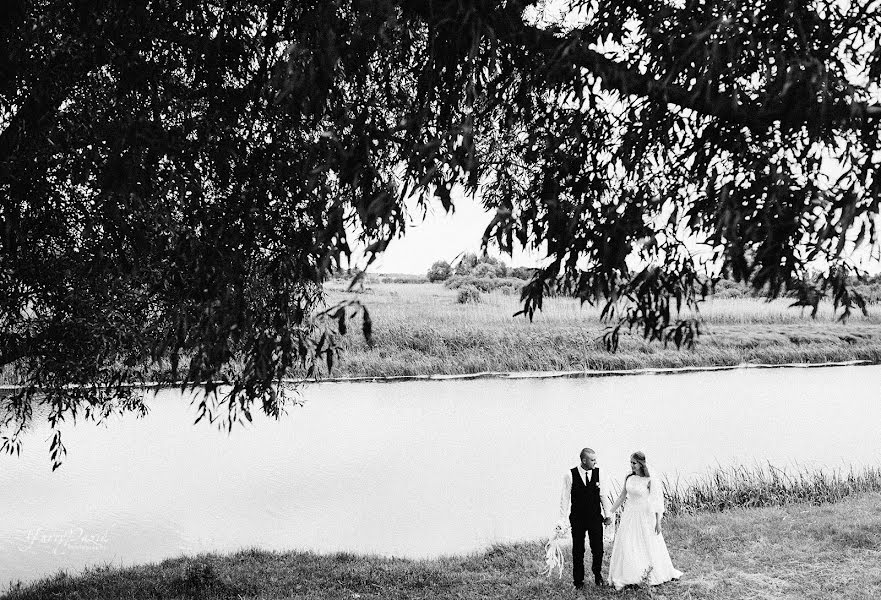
{"points": [[508, 25], [60, 75]]}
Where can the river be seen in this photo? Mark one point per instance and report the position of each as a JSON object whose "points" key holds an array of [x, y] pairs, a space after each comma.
{"points": [[413, 469]]}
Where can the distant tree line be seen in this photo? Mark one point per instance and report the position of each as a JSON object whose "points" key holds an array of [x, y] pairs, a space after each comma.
{"points": [[477, 266], [869, 288], [485, 274], [480, 273]]}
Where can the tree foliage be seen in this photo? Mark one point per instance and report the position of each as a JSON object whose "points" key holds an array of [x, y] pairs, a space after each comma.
{"points": [[178, 178], [466, 263], [439, 271]]}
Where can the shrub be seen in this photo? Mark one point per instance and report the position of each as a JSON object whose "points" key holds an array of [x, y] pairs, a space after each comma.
{"points": [[498, 268], [486, 266], [457, 281], [727, 288], [439, 271], [730, 293], [466, 263], [484, 284], [403, 279], [871, 293], [468, 294], [484, 270], [521, 273]]}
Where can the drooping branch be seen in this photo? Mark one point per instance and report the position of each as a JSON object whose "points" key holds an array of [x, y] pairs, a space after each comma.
{"points": [[60, 75], [508, 25], [621, 78]]}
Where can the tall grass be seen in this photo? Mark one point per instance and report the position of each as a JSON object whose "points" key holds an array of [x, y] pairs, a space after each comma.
{"points": [[753, 487], [421, 329], [435, 303]]}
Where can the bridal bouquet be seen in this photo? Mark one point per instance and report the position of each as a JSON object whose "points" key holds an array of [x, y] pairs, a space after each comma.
{"points": [[609, 532], [554, 549]]}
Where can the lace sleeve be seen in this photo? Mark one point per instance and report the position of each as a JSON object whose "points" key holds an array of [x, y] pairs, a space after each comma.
{"points": [[656, 495]]}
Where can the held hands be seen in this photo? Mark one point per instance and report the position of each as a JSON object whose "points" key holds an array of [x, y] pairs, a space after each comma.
{"points": [[607, 520]]}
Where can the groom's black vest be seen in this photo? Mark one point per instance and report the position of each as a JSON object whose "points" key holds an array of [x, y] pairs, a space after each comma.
{"points": [[585, 499]]}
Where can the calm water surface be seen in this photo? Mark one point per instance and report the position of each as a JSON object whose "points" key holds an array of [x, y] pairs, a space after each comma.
{"points": [[416, 469]]}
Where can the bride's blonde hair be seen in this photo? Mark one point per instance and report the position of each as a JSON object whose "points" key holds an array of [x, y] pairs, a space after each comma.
{"points": [[639, 457]]}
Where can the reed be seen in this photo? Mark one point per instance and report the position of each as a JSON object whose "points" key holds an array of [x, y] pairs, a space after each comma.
{"points": [[421, 329], [731, 487]]}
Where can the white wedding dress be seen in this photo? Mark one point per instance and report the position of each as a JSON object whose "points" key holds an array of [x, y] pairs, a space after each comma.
{"points": [[639, 553]]}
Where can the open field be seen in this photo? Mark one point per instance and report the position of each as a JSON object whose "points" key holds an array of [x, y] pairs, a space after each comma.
{"points": [[421, 329], [832, 551]]}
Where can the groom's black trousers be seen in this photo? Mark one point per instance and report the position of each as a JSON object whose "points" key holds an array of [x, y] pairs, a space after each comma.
{"points": [[594, 533]]}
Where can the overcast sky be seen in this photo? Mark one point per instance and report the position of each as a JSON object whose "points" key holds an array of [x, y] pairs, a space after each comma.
{"points": [[443, 236]]}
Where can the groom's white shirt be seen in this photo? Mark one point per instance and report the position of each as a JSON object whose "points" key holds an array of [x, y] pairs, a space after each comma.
{"points": [[566, 497]]}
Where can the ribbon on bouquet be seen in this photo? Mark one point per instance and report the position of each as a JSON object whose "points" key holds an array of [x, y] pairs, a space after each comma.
{"points": [[554, 556], [609, 532]]}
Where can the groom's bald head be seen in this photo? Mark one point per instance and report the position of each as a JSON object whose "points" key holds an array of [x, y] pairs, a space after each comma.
{"points": [[588, 458]]}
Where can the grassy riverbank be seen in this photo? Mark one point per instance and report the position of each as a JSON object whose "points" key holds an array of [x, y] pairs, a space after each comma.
{"points": [[795, 551], [421, 329]]}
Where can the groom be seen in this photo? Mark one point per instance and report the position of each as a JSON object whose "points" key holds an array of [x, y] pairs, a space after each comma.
{"points": [[583, 501]]}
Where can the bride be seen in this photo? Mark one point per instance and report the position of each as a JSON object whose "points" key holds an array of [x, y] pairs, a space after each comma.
{"points": [[639, 552]]}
